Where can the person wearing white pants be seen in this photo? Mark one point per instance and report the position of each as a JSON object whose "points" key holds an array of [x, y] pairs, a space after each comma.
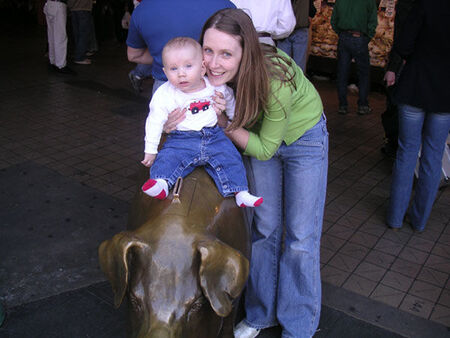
{"points": [[56, 14]]}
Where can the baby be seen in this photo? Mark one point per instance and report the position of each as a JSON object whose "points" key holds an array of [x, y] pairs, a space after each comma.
{"points": [[197, 141]]}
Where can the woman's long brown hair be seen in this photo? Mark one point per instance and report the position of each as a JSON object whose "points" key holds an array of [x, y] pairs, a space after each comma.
{"points": [[258, 65]]}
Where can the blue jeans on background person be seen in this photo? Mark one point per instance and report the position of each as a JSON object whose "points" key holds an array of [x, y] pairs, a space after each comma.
{"points": [[351, 47], [296, 46], [417, 128], [284, 286], [139, 74], [93, 45], [82, 33], [142, 71], [183, 151]]}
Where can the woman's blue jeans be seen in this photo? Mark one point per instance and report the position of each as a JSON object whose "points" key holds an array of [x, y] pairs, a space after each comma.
{"points": [[417, 128], [284, 284]]}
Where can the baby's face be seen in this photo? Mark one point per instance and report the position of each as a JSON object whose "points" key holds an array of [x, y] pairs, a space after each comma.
{"points": [[184, 68]]}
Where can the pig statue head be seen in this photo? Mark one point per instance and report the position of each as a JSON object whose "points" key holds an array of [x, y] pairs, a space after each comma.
{"points": [[182, 264]]}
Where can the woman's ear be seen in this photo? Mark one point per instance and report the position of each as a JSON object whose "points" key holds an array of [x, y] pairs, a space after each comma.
{"points": [[203, 68]]}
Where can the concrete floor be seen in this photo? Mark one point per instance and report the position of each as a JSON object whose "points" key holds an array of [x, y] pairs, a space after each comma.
{"points": [[70, 148]]}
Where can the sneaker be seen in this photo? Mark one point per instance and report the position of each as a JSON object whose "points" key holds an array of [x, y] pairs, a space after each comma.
{"points": [[343, 110], [65, 70], [364, 110], [136, 82], [83, 62], [242, 330], [90, 53]]}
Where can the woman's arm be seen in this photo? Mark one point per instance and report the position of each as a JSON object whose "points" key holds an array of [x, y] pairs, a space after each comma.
{"points": [[265, 139], [239, 137]]}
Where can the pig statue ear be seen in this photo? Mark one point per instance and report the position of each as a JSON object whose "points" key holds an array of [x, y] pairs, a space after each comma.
{"points": [[223, 274], [113, 261]]}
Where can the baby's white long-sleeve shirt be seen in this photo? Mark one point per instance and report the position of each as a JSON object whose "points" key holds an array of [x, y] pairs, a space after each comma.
{"points": [[199, 110]]}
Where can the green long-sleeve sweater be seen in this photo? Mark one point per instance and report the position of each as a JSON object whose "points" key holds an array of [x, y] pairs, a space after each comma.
{"points": [[290, 113], [356, 15]]}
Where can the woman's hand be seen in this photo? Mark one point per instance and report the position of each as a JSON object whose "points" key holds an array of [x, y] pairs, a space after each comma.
{"points": [[175, 117], [148, 159], [220, 103], [219, 106]]}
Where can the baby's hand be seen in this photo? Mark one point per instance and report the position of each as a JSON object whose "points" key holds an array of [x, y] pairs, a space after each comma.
{"points": [[148, 159]]}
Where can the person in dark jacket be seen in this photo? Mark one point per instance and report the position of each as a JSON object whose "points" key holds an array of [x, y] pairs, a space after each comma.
{"points": [[389, 118], [424, 111]]}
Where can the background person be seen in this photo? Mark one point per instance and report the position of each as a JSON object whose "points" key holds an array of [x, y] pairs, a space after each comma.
{"points": [[56, 16], [355, 23], [424, 111], [153, 23], [81, 17], [141, 71], [296, 44], [272, 19], [389, 118]]}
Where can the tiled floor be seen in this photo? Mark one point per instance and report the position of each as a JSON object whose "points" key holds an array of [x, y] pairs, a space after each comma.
{"points": [[89, 127]]}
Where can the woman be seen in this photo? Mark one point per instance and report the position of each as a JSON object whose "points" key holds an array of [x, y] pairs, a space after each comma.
{"points": [[424, 111], [279, 123]]}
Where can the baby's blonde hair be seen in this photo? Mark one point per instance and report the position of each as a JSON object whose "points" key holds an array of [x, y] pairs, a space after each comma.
{"points": [[181, 42]]}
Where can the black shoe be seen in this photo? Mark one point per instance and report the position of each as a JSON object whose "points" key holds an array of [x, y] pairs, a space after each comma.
{"points": [[135, 82], [389, 150], [417, 231], [65, 70], [364, 110], [343, 110]]}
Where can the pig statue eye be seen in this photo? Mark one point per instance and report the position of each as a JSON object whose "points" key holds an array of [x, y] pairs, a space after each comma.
{"points": [[135, 304], [197, 305]]}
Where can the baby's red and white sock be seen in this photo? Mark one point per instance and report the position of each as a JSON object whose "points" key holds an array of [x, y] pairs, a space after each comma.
{"points": [[245, 199], [156, 188]]}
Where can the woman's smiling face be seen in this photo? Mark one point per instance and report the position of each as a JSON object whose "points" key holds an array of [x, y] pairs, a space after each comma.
{"points": [[222, 54]]}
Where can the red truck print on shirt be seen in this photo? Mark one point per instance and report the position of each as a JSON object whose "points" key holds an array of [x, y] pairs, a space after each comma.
{"points": [[196, 106]]}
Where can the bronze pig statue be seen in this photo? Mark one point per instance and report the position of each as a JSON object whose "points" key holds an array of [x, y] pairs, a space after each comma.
{"points": [[182, 264]]}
